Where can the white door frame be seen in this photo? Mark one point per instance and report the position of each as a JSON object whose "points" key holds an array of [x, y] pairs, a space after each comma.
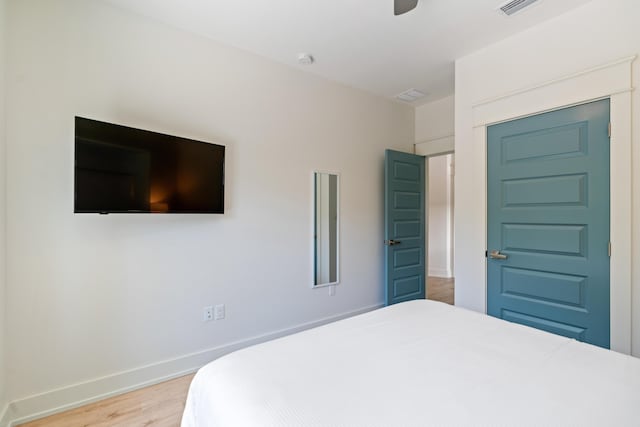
{"points": [[433, 148], [614, 81]]}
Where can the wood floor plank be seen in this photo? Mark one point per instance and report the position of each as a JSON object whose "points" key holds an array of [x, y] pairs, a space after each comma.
{"points": [[440, 289], [160, 405]]}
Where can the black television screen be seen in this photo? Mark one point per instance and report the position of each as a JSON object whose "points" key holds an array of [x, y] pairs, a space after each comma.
{"points": [[119, 169]]}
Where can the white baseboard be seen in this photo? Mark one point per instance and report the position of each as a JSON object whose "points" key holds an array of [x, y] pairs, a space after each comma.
{"points": [[73, 396], [440, 272]]}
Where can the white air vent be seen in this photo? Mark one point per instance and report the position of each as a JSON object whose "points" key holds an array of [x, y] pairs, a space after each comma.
{"points": [[410, 95], [515, 6]]}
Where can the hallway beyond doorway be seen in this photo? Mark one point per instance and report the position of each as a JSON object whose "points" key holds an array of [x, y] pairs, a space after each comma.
{"points": [[440, 289]]}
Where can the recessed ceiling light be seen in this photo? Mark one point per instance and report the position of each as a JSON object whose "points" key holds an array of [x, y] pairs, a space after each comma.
{"points": [[305, 58], [410, 95]]}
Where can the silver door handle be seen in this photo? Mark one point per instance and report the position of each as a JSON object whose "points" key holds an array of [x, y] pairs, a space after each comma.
{"points": [[392, 242], [497, 255]]}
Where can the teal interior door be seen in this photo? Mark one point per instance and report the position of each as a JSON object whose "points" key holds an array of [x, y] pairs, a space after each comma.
{"points": [[404, 224], [548, 222]]}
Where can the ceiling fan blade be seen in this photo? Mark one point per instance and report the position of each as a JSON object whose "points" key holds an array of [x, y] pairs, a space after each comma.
{"points": [[403, 6]]}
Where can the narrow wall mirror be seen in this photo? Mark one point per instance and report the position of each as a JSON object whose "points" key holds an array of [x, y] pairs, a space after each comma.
{"points": [[325, 229]]}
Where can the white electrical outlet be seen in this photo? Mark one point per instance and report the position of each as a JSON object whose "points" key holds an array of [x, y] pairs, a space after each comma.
{"points": [[207, 314], [218, 313]]}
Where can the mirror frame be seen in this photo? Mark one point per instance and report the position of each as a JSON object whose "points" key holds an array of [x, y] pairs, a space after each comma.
{"points": [[313, 229]]}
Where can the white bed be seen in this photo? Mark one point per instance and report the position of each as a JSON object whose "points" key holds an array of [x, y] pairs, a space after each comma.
{"points": [[416, 364]]}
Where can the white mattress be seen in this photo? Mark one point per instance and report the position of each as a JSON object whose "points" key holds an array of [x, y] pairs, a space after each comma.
{"points": [[416, 364]]}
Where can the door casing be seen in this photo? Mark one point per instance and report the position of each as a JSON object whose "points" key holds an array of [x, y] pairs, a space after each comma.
{"points": [[611, 80]]}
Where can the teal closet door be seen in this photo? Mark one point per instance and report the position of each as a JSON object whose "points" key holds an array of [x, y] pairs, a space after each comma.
{"points": [[548, 214]]}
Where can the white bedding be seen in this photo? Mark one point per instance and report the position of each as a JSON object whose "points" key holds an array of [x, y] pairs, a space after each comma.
{"points": [[416, 364]]}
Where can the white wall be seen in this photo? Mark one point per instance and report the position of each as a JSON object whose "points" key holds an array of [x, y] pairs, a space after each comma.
{"points": [[434, 123], [440, 216], [599, 32], [2, 210], [435, 120], [92, 295]]}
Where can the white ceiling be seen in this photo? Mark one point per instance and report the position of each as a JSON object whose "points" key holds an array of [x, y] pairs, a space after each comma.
{"points": [[359, 43]]}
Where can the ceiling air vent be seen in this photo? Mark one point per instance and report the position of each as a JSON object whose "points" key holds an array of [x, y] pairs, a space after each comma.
{"points": [[410, 95], [515, 6]]}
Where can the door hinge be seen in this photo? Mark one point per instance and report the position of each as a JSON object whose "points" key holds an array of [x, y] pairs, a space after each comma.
{"points": [[609, 250], [609, 130], [486, 254]]}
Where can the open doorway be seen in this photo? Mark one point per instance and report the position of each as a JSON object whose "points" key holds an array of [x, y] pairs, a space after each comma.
{"points": [[440, 188]]}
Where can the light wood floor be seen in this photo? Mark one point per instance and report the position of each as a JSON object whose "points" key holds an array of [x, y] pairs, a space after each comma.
{"points": [[440, 289], [160, 405]]}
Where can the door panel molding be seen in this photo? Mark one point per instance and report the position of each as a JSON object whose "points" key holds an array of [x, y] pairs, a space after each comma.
{"points": [[612, 80]]}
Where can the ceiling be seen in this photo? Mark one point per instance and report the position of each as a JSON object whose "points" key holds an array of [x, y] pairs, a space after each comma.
{"points": [[359, 43]]}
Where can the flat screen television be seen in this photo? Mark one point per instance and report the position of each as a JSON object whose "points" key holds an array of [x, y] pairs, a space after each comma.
{"points": [[119, 169]]}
